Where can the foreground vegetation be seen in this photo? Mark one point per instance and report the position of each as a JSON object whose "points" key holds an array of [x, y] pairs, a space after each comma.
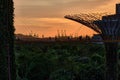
{"points": [[60, 61]]}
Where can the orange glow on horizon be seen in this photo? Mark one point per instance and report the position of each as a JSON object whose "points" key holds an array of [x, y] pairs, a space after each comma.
{"points": [[50, 27]]}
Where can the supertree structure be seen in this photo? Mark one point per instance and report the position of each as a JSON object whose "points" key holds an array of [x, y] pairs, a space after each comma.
{"points": [[87, 19], [108, 27]]}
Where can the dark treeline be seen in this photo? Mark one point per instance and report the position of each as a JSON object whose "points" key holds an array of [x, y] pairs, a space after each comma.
{"points": [[60, 61]]}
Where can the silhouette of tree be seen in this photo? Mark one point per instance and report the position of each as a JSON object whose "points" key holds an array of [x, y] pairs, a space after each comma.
{"points": [[7, 57]]}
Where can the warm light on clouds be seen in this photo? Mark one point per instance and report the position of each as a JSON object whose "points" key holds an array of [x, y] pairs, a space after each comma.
{"points": [[47, 16]]}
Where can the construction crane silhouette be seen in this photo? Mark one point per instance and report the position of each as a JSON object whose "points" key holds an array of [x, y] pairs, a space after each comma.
{"points": [[26, 25]]}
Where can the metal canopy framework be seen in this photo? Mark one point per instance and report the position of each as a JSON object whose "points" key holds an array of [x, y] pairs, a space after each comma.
{"points": [[87, 19], [106, 25]]}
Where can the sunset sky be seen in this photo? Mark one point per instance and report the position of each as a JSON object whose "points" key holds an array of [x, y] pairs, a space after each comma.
{"points": [[46, 17]]}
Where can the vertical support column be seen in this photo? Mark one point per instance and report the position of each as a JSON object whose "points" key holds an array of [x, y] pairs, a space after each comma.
{"points": [[117, 8], [111, 61]]}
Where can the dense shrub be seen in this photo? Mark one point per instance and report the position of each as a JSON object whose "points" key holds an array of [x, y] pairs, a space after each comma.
{"points": [[60, 61]]}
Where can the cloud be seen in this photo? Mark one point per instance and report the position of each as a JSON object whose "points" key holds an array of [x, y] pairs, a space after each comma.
{"points": [[44, 2], [58, 2], [54, 8]]}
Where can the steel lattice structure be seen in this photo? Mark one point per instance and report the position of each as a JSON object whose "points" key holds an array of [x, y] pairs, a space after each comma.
{"points": [[87, 19]]}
